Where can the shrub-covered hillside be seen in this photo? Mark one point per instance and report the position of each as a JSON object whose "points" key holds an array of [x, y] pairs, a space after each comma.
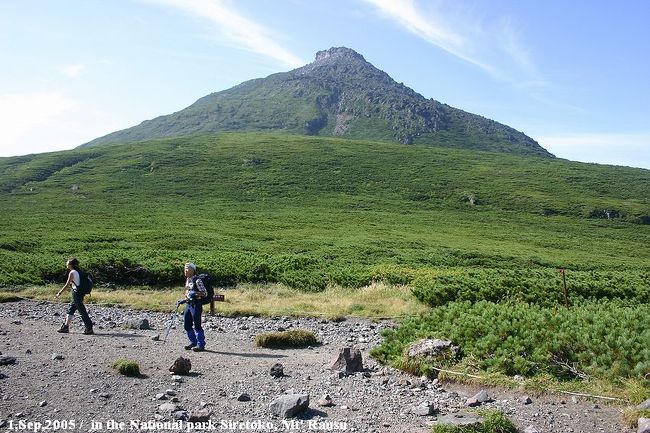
{"points": [[310, 211]]}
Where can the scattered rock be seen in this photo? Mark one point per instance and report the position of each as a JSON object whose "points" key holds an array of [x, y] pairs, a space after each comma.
{"points": [[200, 415], [325, 401], [181, 366], [531, 429], [167, 408], [105, 395], [181, 415], [244, 397], [348, 360], [161, 396], [480, 398], [155, 337], [42, 404], [57, 356], [7, 360], [287, 406], [644, 425], [525, 400], [141, 324], [277, 370], [425, 408], [170, 392], [645, 405]]}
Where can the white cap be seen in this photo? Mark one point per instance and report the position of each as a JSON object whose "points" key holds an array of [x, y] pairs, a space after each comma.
{"points": [[191, 266]]}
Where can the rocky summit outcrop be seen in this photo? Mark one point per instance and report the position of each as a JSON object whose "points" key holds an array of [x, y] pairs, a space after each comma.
{"points": [[338, 94]]}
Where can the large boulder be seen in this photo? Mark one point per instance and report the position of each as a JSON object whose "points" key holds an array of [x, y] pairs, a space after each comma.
{"points": [[287, 406], [348, 360], [432, 350]]}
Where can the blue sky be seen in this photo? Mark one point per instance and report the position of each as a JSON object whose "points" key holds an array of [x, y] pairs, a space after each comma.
{"points": [[574, 75]]}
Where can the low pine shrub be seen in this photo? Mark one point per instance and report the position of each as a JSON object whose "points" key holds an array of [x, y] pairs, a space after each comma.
{"points": [[606, 339], [541, 286], [292, 339]]}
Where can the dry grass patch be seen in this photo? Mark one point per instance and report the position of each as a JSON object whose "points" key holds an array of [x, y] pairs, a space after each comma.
{"points": [[374, 301], [377, 300]]}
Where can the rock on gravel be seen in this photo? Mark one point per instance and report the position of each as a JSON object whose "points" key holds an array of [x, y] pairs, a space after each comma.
{"points": [[287, 406]]}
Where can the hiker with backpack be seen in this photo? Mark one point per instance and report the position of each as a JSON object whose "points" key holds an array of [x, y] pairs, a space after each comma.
{"points": [[197, 293], [81, 284]]}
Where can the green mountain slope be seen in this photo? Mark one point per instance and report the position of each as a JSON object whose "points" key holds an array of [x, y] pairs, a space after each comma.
{"points": [[339, 94], [310, 211]]}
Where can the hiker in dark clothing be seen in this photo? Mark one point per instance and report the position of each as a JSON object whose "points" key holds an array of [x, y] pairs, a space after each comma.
{"points": [[74, 281], [194, 291]]}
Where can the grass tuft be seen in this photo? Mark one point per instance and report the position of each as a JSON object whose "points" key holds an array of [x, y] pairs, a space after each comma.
{"points": [[493, 422], [127, 367], [297, 338]]}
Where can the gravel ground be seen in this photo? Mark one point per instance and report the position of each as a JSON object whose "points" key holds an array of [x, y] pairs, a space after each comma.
{"points": [[66, 382]]}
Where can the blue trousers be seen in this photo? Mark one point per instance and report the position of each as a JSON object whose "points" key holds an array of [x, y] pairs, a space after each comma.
{"points": [[192, 319]]}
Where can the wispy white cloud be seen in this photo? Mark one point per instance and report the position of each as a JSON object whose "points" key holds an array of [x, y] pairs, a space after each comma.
{"points": [[608, 148], [430, 28], [72, 70], [510, 43], [495, 47], [242, 31]]}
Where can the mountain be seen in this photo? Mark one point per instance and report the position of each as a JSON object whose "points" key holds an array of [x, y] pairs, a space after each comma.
{"points": [[339, 94]]}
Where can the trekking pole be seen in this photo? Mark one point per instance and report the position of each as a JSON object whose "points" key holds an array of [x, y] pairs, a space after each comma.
{"points": [[172, 320]]}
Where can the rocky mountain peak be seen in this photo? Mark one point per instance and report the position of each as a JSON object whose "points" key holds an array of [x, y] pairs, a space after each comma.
{"points": [[338, 53], [339, 62]]}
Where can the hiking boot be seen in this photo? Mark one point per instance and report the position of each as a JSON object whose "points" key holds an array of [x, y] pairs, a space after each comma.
{"points": [[64, 329], [190, 346], [88, 331], [199, 349]]}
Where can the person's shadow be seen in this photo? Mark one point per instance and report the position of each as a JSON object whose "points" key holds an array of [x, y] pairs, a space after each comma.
{"points": [[244, 355]]}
